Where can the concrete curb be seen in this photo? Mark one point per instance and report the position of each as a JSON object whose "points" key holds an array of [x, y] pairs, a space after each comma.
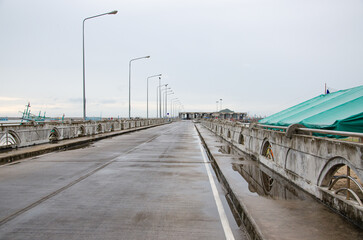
{"points": [[239, 207], [64, 144]]}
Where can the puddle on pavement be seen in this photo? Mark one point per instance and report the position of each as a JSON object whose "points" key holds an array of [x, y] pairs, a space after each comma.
{"points": [[6, 150], [266, 193], [79, 146], [264, 183], [259, 180]]}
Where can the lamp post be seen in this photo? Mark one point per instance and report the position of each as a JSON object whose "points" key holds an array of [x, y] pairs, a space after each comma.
{"points": [[162, 104], [84, 65], [163, 91], [166, 101], [147, 94], [171, 105], [160, 96], [158, 101], [130, 80], [176, 107]]}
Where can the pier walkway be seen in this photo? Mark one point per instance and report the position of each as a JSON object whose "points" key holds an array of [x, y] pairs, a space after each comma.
{"points": [[157, 183], [149, 184]]}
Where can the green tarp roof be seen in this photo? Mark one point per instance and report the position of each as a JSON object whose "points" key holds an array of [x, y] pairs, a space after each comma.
{"points": [[340, 111]]}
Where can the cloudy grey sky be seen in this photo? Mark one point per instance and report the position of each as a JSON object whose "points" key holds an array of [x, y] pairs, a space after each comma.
{"points": [[259, 56]]}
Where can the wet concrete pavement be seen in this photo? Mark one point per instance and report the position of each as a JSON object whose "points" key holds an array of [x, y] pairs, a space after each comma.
{"points": [[150, 184], [36, 150], [271, 207]]}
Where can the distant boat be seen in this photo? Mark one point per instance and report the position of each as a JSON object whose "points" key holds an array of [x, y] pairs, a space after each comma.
{"points": [[28, 116], [4, 119]]}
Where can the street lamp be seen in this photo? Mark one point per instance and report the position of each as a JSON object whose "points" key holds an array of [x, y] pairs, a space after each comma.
{"points": [[166, 101], [147, 94], [177, 105], [84, 67], [163, 91], [130, 81], [171, 105], [158, 99]]}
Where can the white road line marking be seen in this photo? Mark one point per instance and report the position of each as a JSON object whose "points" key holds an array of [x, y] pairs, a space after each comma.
{"points": [[222, 214]]}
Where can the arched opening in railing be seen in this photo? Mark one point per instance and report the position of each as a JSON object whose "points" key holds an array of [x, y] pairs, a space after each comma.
{"points": [[9, 138], [267, 182], [241, 139], [54, 135], [99, 128], [267, 150], [229, 134], [344, 181], [81, 131]]}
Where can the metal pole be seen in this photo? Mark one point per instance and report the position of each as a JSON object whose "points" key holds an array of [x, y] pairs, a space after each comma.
{"points": [[130, 89], [84, 63], [157, 101], [171, 105], [130, 81], [163, 105], [166, 102], [147, 94], [158, 91], [84, 76], [147, 99], [157, 98]]}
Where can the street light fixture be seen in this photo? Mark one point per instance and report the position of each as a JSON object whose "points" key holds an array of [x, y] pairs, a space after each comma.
{"points": [[84, 66], [130, 80], [147, 94]]}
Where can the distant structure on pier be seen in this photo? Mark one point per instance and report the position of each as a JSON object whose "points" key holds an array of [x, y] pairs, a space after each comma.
{"points": [[223, 114]]}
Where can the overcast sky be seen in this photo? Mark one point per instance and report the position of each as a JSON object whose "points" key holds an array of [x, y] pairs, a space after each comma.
{"points": [[259, 56]]}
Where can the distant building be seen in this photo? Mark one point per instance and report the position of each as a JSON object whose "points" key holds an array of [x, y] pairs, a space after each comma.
{"points": [[223, 114]]}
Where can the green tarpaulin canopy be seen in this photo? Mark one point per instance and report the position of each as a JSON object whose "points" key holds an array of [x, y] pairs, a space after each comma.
{"points": [[339, 111]]}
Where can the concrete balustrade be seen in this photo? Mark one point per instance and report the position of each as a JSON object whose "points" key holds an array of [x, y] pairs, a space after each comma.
{"points": [[38, 133], [305, 160]]}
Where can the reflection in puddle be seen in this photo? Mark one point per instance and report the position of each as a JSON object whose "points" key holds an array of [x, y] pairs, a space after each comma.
{"points": [[267, 184], [227, 149], [262, 181]]}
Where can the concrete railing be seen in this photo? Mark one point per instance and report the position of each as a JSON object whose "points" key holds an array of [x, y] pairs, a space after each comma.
{"points": [[308, 161], [33, 133]]}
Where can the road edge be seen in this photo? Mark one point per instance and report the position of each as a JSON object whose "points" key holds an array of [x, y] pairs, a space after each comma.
{"points": [[239, 207]]}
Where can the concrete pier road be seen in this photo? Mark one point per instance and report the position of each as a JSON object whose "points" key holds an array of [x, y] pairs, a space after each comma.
{"points": [[150, 184]]}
